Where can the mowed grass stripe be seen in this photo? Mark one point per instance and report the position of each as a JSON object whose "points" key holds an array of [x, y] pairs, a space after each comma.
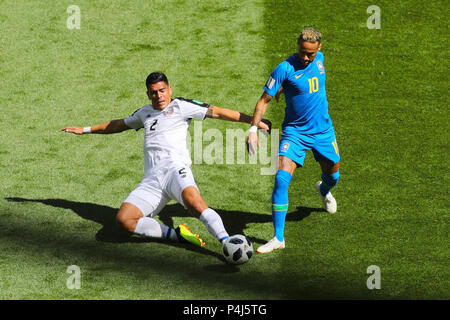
{"points": [[63, 190], [390, 127]]}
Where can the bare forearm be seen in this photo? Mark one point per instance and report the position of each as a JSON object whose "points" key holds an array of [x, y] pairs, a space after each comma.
{"points": [[260, 109], [223, 114], [245, 118], [113, 126], [231, 115]]}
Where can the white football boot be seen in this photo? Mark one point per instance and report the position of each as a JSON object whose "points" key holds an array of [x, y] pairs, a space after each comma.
{"points": [[329, 202], [273, 244]]}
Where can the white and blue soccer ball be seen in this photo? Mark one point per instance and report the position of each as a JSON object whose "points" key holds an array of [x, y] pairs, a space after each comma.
{"points": [[237, 249]]}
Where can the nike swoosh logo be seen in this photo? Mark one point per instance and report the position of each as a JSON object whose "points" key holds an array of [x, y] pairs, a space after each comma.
{"points": [[296, 77]]}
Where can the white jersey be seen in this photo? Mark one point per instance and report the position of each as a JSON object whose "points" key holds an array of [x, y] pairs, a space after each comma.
{"points": [[166, 131]]}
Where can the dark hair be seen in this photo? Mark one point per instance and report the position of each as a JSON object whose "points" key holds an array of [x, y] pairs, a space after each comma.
{"points": [[156, 77]]}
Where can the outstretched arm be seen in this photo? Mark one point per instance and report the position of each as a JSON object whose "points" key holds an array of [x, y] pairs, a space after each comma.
{"points": [[113, 126], [232, 115], [260, 109]]}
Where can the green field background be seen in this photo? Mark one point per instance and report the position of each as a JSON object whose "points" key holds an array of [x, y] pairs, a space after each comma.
{"points": [[59, 193]]}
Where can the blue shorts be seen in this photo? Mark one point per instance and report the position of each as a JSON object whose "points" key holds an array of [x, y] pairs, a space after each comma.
{"points": [[294, 146]]}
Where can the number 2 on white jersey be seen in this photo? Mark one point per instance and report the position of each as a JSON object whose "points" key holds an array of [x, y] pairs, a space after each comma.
{"points": [[152, 127]]}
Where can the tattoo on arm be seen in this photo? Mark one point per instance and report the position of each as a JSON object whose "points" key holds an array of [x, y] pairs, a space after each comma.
{"points": [[209, 112], [260, 108], [266, 97]]}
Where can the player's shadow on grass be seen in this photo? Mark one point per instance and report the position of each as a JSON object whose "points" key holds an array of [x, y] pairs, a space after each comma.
{"points": [[106, 216], [235, 221]]}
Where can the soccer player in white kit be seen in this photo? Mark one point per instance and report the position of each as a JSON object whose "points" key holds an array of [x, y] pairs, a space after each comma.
{"points": [[167, 162]]}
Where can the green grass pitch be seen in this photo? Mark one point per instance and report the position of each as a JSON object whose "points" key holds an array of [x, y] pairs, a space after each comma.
{"points": [[59, 193]]}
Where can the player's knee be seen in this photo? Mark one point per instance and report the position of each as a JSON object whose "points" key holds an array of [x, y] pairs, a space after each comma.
{"points": [[330, 179], [121, 221], [128, 216], [125, 222]]}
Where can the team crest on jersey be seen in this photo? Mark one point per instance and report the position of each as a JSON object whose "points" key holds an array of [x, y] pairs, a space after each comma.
{"points": [[170, 110], [285, 147], [320, 66]]}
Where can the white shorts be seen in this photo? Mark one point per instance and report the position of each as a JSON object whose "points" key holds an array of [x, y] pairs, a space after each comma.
{"points": [[161, 186]]}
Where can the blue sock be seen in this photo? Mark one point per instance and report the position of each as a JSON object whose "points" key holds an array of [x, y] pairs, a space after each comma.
{"points": [[280, 202], [328, 182]]}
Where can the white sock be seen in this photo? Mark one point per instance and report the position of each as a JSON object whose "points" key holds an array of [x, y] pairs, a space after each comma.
{"points": [[213, 224], [149, 227]]}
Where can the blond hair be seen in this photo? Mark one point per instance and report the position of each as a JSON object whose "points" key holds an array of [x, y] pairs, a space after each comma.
{"points": [[310, 35]]}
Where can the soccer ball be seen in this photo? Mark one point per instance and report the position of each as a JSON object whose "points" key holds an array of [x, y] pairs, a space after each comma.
{"points": [[237, 249]]}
